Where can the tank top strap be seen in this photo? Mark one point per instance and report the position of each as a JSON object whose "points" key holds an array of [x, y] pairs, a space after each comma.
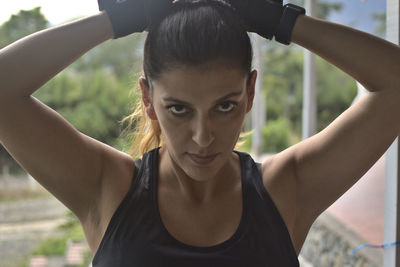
{"points": [[264, 208], [140, 177], [251, 172]]}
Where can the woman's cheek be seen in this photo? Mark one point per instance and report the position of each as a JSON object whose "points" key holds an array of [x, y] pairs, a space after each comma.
{"points": [[229, 128], [173, 129]]}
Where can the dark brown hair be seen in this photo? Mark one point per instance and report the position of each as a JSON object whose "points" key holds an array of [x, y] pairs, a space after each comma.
{"points": [[196, 32]]}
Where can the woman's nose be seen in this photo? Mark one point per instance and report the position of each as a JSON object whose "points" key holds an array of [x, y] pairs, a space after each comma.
{"points": [[203, 134]]}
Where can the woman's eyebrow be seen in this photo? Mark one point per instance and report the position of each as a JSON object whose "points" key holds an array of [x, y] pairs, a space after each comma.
{"points": [[172, 99]]}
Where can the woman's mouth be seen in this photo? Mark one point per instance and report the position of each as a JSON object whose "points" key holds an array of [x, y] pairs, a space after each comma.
{"points": [[202, 159]]}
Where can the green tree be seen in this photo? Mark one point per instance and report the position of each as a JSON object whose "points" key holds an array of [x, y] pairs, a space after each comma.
{"points": [[22, 24], [92, 102], [283, 76], [283, 85], [335, 92], [122, 57]]}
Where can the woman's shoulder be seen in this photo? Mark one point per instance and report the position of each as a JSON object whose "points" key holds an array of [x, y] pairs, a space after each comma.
{"points": [[119, 168], [278, 175], [117, 176]]}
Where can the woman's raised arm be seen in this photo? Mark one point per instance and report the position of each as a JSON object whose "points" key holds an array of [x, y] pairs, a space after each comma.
{"points": [[87, 176], [308, 177], [70, 165], [327, 164], [372, 61]]}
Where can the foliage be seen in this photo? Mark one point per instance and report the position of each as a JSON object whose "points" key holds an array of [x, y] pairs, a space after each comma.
{"points": [[121, 57], [52, 246], [71, 223], [277, 136], [7, 165], [22, 24], [93, 102], [58, 245], [87, 258], [283, 85], [335, 92]]}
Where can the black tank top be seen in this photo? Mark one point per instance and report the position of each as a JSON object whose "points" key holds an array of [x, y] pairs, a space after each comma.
{"points": [[137, 237]]}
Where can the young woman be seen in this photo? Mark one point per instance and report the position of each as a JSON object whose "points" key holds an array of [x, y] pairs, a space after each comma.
{"points": [[191, 199]]}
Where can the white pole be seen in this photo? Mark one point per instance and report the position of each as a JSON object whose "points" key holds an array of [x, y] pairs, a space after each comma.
{"points": [[309, 96], [391, 225], [258, 113]]}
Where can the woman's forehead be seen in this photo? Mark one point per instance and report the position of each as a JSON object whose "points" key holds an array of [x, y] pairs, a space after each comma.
{"points": [[213, 80]]}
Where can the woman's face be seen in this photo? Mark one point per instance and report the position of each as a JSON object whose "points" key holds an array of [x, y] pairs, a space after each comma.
{"points": [[200, 112]]}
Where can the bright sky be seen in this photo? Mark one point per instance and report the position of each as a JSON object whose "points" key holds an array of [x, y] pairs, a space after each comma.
{"points": [[55, 11]]}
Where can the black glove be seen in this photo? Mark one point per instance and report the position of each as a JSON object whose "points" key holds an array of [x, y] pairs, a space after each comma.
{"points": [[129, 16], [259, 16], [268, 18]]}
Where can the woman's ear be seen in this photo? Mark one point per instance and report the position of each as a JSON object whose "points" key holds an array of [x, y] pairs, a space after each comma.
{"points": [[251, 89], [147, 98]]}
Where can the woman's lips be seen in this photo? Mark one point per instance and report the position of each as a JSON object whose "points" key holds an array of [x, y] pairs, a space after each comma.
{"points": [[202, 160]]}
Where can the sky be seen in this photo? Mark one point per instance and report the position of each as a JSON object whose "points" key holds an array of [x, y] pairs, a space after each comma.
{"points": [[56, 11], [355, 13], [358, 13]]}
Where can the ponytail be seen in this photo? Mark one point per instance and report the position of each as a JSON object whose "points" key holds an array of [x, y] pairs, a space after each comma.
{"points": [[146, 133]]}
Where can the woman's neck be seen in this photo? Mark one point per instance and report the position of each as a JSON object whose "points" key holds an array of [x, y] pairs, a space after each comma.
{"points": [[175, 180]]}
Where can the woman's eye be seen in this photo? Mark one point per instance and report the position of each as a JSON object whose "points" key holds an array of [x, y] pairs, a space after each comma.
{"points": [[177, 110], [226, 107]]}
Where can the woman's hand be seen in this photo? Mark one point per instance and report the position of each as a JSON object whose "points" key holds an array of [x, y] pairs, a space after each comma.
{"points": [[259, 16], [129, 16]]}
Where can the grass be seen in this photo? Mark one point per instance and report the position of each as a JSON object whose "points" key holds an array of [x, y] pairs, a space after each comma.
{"points": [[87, 258], [52, 247], [57, 246]]}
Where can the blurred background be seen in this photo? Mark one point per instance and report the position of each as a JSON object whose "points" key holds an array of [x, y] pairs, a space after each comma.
{"points": [[100, 88]]}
